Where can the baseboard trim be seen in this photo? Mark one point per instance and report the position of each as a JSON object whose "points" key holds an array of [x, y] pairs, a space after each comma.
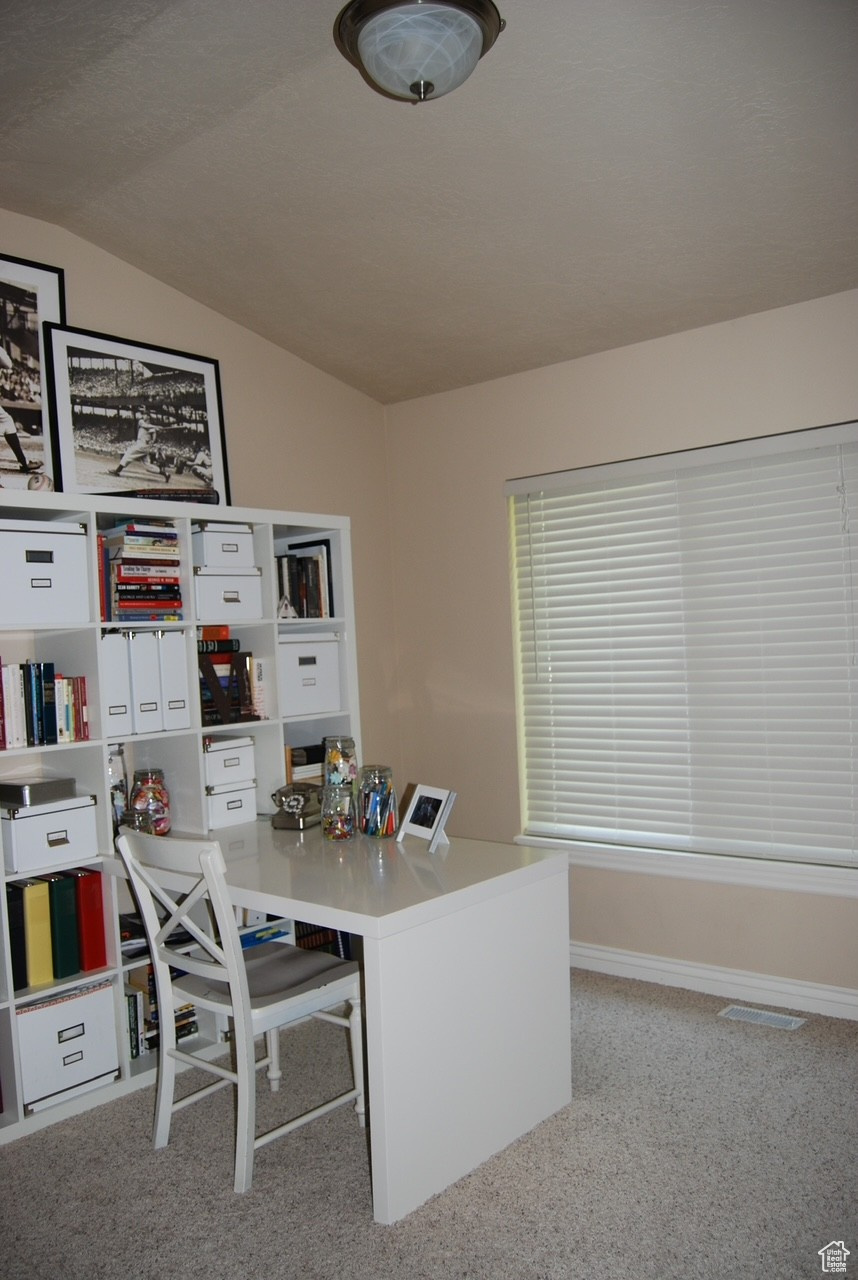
{"points": [[733, 984]]}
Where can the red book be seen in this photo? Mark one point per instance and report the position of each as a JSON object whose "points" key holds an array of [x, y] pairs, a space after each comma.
{"points": [[90, 917], [145, 578], [102, 582]]}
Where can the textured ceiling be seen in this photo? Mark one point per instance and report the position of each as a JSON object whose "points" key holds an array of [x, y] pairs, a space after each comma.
{"points": [[614, 170]]}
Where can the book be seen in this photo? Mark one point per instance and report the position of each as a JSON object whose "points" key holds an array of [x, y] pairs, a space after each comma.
{"points": [[13, 701], [133, 1010], [89, 901], [30, 700], [62, 708], [218, 646], [141, 573], [152, 552], [304, 579], [37, 932], [49, 704], [17, 944], [154, 526], [225, 692], [103, 561], [64, 931], [259, 688]]}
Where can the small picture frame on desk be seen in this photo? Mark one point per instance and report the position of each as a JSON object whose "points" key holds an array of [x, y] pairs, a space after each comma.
{"points": [[427, 814]]}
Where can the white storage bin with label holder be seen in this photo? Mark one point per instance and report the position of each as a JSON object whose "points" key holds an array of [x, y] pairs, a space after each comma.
{"points": [[228, 596], [67, 1044], [228, 761], [39, 836], [44, 572], [309, 675], [231, 803], [222, 545]]}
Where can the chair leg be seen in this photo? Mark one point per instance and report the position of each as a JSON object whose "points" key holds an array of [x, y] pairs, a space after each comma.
{"points": [[272, 1040], [166, 1086], [245, 1128], [356, 1035]]}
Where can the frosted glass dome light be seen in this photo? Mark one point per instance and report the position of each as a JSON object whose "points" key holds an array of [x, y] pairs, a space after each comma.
{"points": [[416, 49]]}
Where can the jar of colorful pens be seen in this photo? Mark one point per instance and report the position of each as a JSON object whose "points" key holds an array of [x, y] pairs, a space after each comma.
{"points": [[377, 813]]}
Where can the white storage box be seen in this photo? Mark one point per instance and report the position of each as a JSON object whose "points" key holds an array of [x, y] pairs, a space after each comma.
{"points": [[308, 671], [231, 803], [228, 761], [222, 545], [228, 596], [67, 1043], [39, 836], [44, 572]]}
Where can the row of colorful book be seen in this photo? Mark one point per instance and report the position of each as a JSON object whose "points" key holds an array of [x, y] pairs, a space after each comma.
{"points": [[304, 581], [40, 707], [231, 680], [140, 572], [141, 1000], [56, 926]]}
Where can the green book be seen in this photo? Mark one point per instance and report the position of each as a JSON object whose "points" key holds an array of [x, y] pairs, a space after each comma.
{"points": [[64, 933]]}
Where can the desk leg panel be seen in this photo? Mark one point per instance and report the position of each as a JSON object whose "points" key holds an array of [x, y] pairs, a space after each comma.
{"points": [[468, 1039]]}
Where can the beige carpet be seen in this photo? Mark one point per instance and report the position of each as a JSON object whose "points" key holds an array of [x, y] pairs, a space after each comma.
{"points": [[693, 1147]]}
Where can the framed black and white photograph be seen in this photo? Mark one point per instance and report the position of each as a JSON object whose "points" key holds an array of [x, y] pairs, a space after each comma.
{"points": [[427, 814], [128, 418], [31, 294]]}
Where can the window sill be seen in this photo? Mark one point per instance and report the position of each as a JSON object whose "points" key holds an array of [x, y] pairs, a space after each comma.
{"points": [[795, 877]]}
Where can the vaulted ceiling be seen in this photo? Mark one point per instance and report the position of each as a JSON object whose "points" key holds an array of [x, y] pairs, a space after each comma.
{"points": [[614, 170]]}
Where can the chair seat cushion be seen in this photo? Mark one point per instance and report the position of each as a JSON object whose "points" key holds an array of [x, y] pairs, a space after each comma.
{"points": [[274, 971]]}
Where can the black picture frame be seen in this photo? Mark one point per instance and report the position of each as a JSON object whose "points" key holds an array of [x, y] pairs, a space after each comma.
{"points": [[135, 419], [32, 294]]}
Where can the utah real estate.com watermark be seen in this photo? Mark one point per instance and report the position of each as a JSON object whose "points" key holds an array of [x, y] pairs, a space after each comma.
{"points": [[834, 1257]]}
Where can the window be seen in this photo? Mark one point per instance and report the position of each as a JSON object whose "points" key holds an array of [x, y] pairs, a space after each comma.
{"points": [[686, 637]]}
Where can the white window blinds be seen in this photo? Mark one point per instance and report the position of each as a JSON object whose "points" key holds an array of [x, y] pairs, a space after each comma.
{"points": [[686, 633]]}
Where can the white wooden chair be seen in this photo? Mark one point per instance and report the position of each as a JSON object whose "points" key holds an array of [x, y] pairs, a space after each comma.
{"points": [[261, 990]]}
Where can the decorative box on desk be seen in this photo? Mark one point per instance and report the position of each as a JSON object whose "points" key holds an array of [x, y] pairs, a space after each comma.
{"points": [[228, 760], [231, 803]]}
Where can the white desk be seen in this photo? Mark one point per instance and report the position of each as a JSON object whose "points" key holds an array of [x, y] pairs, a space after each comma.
{"points": [[466, 968]]}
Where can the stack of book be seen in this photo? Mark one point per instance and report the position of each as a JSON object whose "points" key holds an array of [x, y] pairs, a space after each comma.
{"points": [[304, 579], [305, 764], [39, 707], [139, 572], [141, 999], [56, 926], [231, 683]]}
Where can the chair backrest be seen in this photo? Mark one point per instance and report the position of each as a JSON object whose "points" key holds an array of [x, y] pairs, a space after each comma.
{"points": [[180, 884]]}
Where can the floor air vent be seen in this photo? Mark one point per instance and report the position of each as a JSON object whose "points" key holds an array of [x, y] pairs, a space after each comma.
{"points": [[764, 1017]]}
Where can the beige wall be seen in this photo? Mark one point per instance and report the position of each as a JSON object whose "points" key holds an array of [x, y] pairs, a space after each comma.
{"points": [[431, 566], [451, 453], [296, 438]]}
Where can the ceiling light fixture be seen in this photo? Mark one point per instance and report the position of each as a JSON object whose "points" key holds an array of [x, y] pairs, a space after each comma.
{"points": [[414, 50]]}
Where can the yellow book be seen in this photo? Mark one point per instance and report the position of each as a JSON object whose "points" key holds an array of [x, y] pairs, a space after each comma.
{"points": [[37, 932]]}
